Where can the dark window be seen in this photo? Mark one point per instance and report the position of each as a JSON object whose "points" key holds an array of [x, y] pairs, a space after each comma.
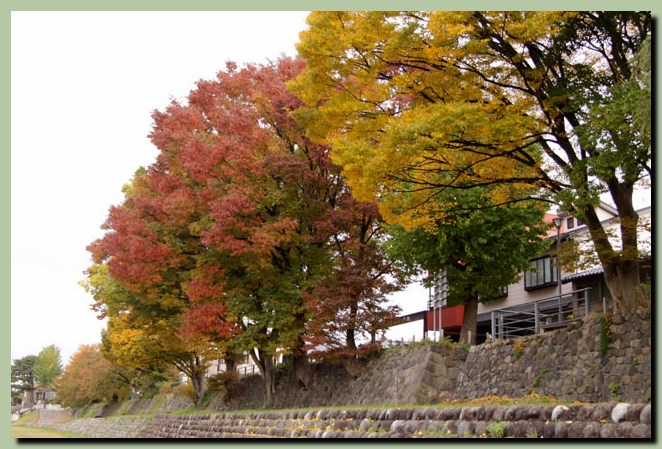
{"points": [[570, 223], [541, 274]]}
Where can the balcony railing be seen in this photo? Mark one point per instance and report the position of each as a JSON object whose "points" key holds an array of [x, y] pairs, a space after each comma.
{"points": [[545, 314]]}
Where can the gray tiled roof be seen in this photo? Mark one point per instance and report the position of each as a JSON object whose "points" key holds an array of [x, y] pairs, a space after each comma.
{"points": [[582, 274]]}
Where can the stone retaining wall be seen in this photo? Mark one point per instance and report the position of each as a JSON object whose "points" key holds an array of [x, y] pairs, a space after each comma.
{"points": [[408, 375], [571, 364], [165, 403], [113, 427], [566, 364], [571, 421]]}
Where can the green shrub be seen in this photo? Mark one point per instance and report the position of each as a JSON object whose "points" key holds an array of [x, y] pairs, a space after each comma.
{"points": [[518, 348], [226, 385], [496, 429], [533, 433], [613, 389], [605, 334]]}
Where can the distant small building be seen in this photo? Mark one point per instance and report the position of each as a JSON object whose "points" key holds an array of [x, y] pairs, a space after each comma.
{"points": [[37, 397], [244, 367]]}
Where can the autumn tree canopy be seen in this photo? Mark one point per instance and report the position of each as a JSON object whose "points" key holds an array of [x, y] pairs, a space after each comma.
{"points": [[414, 103], [90, 378], [349, 305], [137, 280], [225, 241]]}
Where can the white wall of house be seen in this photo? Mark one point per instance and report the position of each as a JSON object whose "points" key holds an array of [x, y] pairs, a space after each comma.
{"points": [[245, 367], [517, 294]]}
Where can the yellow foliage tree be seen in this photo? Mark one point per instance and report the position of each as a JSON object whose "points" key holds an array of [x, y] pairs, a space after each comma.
{"points": [[415, 103]]}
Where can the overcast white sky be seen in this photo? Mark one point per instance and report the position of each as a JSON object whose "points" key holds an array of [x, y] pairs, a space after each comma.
{"points": [[83, 86]]}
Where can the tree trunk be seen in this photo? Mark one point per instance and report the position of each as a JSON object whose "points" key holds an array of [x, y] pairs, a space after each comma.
{"points": [[302, 370], [363, 237], [621, 268], [198, 380], [230, 364], [265, 363], [231, 359], [622, 279], [470, 321], [350, 336], [269, 381]]}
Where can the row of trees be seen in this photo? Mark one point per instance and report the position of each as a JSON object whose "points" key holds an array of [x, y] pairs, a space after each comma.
{"points": [[89, 377], [289, 199], [242, 237], [34, 370]]}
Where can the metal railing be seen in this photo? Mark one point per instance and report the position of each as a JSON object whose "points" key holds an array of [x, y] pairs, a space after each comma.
{"points": [[248, 370], [549, 313]]}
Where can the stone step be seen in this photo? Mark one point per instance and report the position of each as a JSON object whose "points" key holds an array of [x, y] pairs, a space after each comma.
{"points": [[571, 421]]}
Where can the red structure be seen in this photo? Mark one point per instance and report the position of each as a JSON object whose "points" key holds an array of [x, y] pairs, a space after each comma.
{"points": [[451, 317], [451, 320]]}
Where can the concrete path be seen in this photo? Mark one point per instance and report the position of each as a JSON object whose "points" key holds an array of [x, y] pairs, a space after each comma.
{"points": [[49, 417]]}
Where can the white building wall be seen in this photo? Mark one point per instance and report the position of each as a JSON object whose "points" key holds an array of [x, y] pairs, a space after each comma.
{"points": [[517, 295]]}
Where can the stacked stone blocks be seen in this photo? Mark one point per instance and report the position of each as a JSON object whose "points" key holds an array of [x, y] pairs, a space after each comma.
{"points": [[573, 421]]}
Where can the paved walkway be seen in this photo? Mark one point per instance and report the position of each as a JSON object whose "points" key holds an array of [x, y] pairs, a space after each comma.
{"points": [[48, 417]]}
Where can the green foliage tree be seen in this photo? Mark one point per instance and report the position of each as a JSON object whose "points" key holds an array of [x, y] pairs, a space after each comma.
{"points": [[16, 396], [414, 103], [22, 376], [48, 365], [482, 249]]}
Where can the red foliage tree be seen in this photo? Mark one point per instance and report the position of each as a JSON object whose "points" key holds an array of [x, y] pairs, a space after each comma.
{"points": [[245, 231], [352, 303], [150, 251]]}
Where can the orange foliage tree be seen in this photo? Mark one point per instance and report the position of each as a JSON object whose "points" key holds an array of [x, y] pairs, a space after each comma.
{"points": [[90, 378]]}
